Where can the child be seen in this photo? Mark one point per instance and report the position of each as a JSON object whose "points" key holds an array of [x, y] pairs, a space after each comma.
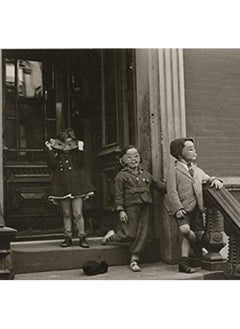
{"points": [[185, 197], [69, 185], [133, 200]]}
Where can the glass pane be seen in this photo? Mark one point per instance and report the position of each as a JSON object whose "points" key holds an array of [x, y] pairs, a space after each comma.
{"points": [[10, 134], [10, 156], [51, 129], [110, 97], [10, 109], [51, 104], [31, 127], [9, 78], [30, 81]]}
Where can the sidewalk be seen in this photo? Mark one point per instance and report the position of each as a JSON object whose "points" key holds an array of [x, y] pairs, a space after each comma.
{"points": [[152, 271]]}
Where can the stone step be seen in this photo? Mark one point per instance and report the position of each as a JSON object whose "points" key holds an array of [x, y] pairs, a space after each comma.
{"points": [[40, 256], [150, 271]]}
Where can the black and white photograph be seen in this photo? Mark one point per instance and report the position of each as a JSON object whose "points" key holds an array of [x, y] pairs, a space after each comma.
{"points": [[119, 164]]}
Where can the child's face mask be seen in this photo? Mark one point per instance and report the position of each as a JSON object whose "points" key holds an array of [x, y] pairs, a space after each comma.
{"points": [[131, 159], [189, 152]]}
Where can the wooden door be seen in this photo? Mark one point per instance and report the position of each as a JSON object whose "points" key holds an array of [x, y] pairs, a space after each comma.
{"points": [[118, 115], [30, 118]]}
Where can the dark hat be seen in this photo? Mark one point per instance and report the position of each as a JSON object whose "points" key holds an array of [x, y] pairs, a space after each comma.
{"points": [[177, 145], [94, 268]]}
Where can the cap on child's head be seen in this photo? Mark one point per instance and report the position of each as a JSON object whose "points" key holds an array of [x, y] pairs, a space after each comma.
{"points": [[177, 145]]}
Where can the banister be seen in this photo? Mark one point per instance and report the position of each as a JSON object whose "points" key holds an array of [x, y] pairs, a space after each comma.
{"points": [[225, 202], [222, 201]]}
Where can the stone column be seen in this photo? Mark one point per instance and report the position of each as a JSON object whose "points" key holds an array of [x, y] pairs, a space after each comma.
{"points": [[160, 118], [173, 125]]}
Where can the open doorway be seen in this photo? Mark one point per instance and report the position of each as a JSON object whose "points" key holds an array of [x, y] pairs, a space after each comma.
{"points": [[90, 90]]}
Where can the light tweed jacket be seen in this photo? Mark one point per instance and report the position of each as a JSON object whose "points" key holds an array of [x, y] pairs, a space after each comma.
{"points": [[185, 191]]}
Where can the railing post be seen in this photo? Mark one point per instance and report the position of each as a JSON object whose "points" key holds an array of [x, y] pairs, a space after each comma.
{"points": [[7, 234], [213, 237], [232, 269]]}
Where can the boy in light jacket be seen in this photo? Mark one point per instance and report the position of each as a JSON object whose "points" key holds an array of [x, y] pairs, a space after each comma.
{"points": [[185, 196]]}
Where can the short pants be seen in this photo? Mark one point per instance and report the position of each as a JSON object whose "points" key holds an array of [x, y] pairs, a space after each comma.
{"points": [[194, 219]]}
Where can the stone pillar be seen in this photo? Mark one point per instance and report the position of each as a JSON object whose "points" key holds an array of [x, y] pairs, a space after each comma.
{"points": [[160, 118], [173, 125]]}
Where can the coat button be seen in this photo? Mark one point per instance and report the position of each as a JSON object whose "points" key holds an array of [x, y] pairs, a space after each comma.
{"points": [[70, 168], [61, 169], [67, 161]]}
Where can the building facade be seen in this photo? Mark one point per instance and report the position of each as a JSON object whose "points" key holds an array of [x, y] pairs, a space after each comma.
{"points": [[113, 97]]}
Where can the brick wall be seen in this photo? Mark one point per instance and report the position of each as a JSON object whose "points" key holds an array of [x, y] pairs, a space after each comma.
{"points": [[212, 92]]}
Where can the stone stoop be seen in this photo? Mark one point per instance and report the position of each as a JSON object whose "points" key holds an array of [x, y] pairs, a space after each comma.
{"points": [[40, 256], [150, 271]]}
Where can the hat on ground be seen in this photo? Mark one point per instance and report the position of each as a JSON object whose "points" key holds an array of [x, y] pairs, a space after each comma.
{"points": [[177, 145], [94, 268]]}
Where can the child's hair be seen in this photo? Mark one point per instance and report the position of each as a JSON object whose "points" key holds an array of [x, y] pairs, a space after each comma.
{"points": [[66, 133], [124, 151], [177, 146]]}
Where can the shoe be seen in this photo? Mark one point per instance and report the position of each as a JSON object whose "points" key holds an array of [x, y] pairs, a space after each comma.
{"points": [[83, 243], [108, 237], [184, 267], [67, 242], [134, 266]]}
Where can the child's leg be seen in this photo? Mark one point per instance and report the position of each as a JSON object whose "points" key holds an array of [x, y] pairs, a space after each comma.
{"points": [[78, 215], [185, 248], [67, 221], [139, 242], [188, 233], [188, 237], [79, 220], [128, 230]]}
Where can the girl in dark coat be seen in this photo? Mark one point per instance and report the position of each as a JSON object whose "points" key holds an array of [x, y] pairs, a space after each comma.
{"points": [[70, 184]]}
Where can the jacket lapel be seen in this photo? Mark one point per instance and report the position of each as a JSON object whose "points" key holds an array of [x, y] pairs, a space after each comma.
{"points": [[183, 170]]}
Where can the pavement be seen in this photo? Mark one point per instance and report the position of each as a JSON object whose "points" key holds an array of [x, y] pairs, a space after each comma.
{"points": [[151, 271]]}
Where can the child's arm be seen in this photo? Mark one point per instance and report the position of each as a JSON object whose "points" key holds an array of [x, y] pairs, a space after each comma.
{"points": [[214, 181], [158, 185], [80, 154], [172, 194], [51, 157], [119, 192], [119, 198]]}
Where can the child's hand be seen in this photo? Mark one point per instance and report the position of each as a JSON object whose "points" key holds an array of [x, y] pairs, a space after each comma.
{"points": [[180, 213], [48, 144], [217, 184], [80, 145], [123, 217]]}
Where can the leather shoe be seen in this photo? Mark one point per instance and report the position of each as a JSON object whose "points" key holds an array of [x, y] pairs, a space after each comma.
{"points": [[83, 243], [66, 243]]}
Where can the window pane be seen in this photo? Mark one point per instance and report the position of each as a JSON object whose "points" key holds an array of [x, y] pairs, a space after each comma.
{"points": [[51, 104], [10, 78], [30, 78], [10, 109], [110, 97], [31, 128], [10, 134], [51, 129]]}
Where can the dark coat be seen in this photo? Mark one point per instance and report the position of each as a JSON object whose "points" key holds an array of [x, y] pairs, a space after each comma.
{"points": [[134, 188], [69, 176]]}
